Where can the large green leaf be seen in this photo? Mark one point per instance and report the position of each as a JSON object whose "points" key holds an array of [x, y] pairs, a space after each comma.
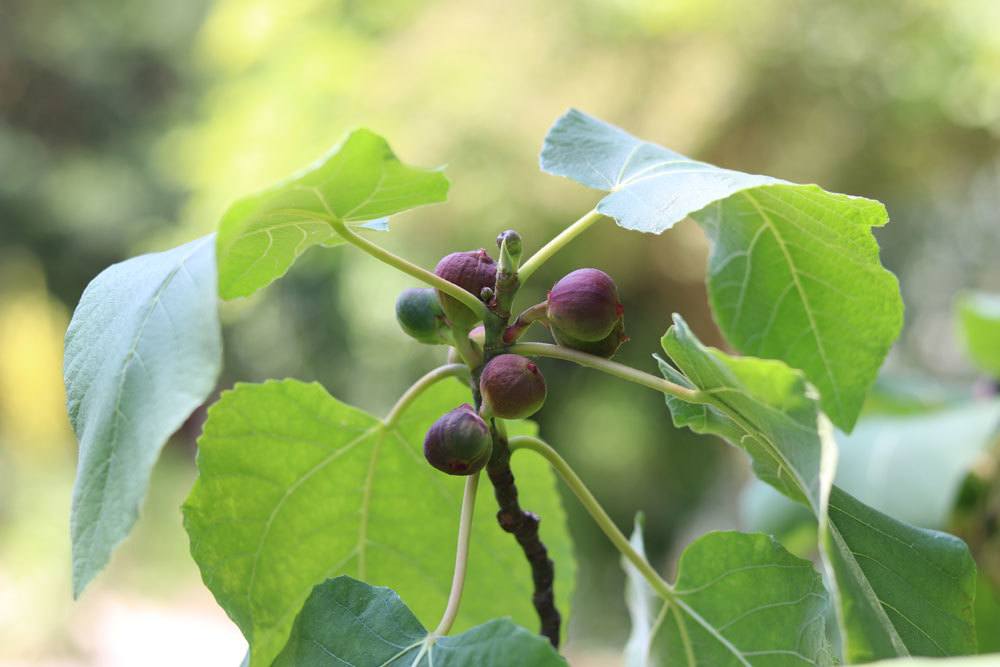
{"points": [[979, 320], [899, 590], [794, 272], [361, 179], [143, 350], [296, 487], [348, 622], [741, 600]]}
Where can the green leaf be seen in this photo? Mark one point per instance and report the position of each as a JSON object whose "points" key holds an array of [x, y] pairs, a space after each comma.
{"points": [[296, 487], [143, 350], [741, 600], [896, 464], [899, 590], [348, 622], [979, 321], [794, 272], [361, 179]]}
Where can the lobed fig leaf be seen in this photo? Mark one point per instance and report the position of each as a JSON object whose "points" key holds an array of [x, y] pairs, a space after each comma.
{"points": [[794, 272], [360, 182]]}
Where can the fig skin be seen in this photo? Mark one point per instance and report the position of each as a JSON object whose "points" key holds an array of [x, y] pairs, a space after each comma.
{"points": [[472, 270], [459, 442], [420, 315], [512, 387], [606, 348], [584, 305]]}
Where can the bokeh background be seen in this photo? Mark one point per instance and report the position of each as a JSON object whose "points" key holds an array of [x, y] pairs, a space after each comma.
{"points": [[127, 126]]}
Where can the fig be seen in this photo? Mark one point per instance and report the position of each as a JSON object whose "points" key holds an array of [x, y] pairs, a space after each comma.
{"points": [[471, 270], [420, 315], [512, 386], [459, 442], [584, 305]]}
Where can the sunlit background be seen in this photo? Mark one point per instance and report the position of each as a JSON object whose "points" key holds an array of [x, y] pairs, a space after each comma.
{"points": [[127, 126]]}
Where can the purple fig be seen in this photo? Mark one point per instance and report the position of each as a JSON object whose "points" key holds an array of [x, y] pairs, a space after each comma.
{"points": [[472, 271], [584, 305], [512, 386], [459, 442]]}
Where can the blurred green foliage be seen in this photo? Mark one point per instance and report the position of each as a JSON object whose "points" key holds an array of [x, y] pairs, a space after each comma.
{"points": [[128, 126]]}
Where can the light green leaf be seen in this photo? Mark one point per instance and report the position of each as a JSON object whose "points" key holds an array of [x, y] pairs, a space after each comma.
{"points": [[741, 600], [143, 350], [794, 272], [296, 487], [979, 321], [898, 464], [899, 590], [348, 622], [361, 179], [911, 466]]}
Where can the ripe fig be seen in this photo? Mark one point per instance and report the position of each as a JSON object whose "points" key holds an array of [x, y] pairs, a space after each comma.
{"points": [[606, 347], [459, 442], [420, 315], [472, 271], [512, 386], [584, 305]]}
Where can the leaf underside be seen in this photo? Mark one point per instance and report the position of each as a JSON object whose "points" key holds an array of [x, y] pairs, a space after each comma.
{"points": [[360, 181], [899, 590], [143, 350], [794, 272], [296, 487]]}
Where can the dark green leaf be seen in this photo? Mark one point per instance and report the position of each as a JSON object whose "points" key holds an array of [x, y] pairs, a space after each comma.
{"points": [[794, 272], [347, 622], [361, 179], [142, 352], [296, 487]]}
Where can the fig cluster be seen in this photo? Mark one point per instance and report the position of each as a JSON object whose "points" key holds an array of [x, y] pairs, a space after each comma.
{"points": [[582, 311]]}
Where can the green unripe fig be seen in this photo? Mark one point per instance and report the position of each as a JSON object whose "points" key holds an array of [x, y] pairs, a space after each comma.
{"points": [[459, 442], [512, 387], [513, 241], [420, 315], [472, 271], [606, 347], [584, 305]]}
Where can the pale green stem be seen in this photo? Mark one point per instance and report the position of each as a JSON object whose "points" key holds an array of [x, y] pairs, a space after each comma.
{"points": [[409, 268], [467, 349], [610, 367], [420, 386], [595, 510], [461, 556], [553, 246]]}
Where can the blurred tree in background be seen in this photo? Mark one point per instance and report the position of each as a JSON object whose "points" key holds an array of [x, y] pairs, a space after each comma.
{"points": [[128, 126]]}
